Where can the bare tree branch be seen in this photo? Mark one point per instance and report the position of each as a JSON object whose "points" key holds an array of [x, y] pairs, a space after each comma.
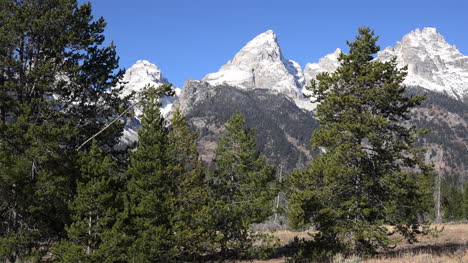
{"points": [[108, 125]]}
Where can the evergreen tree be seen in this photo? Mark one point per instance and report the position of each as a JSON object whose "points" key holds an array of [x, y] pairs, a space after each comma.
{"points": [[94, 208], [149, 207], [241, 186], [56, 83], [465, 200], [452, 201], [369, 173], [192, 215]]}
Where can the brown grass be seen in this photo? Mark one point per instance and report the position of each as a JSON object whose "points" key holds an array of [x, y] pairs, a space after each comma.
{"points": [[451, 246]]}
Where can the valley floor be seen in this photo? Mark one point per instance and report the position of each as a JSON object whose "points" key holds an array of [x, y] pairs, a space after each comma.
{"points": [[451, 246]]}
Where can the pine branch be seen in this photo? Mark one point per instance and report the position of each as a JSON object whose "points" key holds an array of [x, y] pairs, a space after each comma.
{"points": [[108, 125]]}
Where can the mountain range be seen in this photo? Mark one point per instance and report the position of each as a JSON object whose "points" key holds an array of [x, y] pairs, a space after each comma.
{"points": [[268, 89]]}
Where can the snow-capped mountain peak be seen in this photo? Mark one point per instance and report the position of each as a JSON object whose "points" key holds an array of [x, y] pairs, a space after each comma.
{"points": [[135, 79], [260, 65], [263, 47], [328, 63], [428, 36], [140, 74], [432, 62]]}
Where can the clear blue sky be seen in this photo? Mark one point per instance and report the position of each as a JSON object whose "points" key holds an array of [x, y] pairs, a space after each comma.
{"points": [[190, 38]]}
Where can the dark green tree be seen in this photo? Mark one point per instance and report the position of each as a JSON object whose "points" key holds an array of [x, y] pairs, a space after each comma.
{"points": [[193, 232], [242, 187], [56, 82], [452, 201], [465, 200], [94, 208], [149, 208], [369, 174]]}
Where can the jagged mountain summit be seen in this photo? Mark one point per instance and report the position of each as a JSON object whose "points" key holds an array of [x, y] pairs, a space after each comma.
{"points": [[136, 78], [260, 65], [141, 73], [144, 73], [432, 63], [329, 63]]}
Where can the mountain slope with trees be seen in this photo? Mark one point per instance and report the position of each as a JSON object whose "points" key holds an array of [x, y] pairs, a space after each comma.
{"points": [[282, 129]]}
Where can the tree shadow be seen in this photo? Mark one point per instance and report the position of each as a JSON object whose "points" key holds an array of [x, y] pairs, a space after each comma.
{"points": [[432, 249], [449, 248]]}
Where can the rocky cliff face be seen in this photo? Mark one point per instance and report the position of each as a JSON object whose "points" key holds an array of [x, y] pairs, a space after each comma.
{"points": [[432, 63], [282, 129], [328, 63], [447, 143]]}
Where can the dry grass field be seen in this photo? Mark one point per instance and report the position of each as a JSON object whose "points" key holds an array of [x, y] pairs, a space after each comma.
{"points": [[450, 246]]}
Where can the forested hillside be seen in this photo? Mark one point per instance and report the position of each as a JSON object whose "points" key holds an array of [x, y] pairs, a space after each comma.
{"points": [[282, 129]]}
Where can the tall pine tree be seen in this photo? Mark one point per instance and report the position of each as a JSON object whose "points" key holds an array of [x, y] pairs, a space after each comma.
{"points": [[56, 82], [149, 208], [193, 233], [242, 187], [94, 208], [369, 173]]}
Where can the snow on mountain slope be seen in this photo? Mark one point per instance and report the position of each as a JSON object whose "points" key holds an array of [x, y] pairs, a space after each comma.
{"points": [[136, 78], [141, 73], [329, 63], [261, 65], [432, 62], [144, 73]]}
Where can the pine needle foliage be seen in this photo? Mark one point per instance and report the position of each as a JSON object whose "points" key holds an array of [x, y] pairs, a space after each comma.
{"points": [[56, 90], [149, 205], [370, 174], [241, 187], [193, 217], [94, 209]]}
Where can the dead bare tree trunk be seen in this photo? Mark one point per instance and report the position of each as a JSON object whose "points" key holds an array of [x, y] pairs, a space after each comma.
{"points": [[279, 194]]}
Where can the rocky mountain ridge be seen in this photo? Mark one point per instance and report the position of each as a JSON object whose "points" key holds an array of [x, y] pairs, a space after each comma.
{"points": [[136, 78], [282, 129], [259, 74], [432, 63], [260, 64]]}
